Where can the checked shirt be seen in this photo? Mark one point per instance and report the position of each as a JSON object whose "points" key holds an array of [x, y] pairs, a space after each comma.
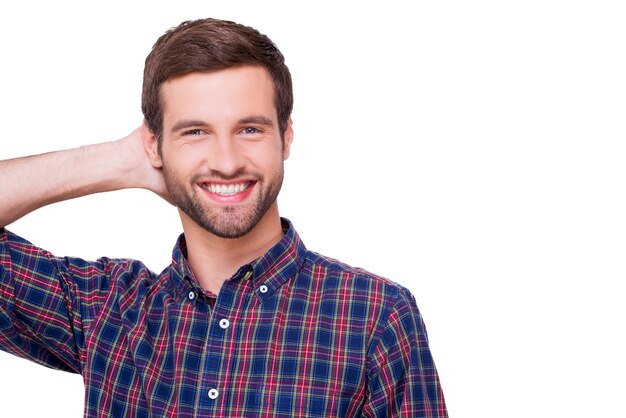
{"points": [[292, 334]]}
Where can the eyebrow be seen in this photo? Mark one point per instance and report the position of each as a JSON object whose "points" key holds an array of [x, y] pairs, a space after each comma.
{"points": [[254, 120]]}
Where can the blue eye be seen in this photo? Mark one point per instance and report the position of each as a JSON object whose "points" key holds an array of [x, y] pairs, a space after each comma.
{"points": [[250, 130]]}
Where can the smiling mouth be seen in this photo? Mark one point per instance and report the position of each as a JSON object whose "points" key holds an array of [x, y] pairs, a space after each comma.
{"points": [[226, 189]]}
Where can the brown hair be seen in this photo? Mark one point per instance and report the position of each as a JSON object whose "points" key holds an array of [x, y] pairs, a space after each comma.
{"points": [[211, 45]]}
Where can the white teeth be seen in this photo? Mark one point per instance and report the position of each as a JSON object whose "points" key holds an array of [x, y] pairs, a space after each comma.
{"points": [[226, 190]]}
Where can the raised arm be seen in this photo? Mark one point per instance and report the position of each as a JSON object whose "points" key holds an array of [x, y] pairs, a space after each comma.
{"points": [[29, 183]]}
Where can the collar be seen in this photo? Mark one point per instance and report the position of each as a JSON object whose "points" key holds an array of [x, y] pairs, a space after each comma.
{"points": [[272, 269]]}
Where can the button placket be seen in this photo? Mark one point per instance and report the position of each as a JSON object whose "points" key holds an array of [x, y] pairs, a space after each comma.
{"points": [[219, 342]]}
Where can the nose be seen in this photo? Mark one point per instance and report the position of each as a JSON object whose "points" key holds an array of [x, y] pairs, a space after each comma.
{"points": [[225, 156]]}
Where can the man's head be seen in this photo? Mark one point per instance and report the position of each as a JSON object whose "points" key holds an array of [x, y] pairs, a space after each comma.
{"points": [[217, 98], [208, 45]]}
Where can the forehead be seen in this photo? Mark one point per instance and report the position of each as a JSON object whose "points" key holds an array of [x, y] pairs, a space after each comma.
{"points": [[220, 96]]}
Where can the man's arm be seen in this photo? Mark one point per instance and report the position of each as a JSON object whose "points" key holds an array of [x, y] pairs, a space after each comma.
{"points": [[47, 303], [32, 182], [402, 378]]}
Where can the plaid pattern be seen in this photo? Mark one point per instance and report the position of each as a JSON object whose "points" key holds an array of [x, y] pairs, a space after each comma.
{"points": [[293, 334]]}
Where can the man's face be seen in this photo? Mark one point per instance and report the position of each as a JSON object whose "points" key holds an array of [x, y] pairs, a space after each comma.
{"points": [[222, 153]]}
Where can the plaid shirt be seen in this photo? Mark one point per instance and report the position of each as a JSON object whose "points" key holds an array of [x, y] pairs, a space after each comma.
{"points": [[292, 334]]}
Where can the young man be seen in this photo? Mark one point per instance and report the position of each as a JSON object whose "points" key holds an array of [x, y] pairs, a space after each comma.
{"points": [[246, 321]]}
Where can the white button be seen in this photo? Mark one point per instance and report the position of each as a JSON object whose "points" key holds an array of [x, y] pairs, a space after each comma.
{"points": [[263, 289], [224, 323], [192, 295], [214, 393]]}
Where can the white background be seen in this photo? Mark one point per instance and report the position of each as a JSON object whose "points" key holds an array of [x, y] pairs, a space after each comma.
{"points": [[471, 150]]}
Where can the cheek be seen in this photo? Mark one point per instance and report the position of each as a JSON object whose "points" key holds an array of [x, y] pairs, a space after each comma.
{"points": [[271, 162], [180, 160]]}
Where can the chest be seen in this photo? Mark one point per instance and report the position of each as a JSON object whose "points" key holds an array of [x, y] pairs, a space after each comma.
{"points": [[240, 355]]}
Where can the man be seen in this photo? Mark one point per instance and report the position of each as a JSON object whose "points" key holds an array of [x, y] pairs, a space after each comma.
{"points": [[246, 321]]}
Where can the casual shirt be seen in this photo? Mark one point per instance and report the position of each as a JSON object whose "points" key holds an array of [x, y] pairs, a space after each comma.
{"points": [[292, 334]]}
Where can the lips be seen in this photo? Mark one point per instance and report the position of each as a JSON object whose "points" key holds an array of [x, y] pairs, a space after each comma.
{"points": [[228, 193]]}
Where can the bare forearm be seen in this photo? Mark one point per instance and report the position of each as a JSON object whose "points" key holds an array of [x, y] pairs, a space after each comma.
{"points": [[32, 182]]}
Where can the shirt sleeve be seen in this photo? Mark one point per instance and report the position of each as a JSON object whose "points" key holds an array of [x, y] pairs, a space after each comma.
{"points": [[402, 379], [43, 314]]}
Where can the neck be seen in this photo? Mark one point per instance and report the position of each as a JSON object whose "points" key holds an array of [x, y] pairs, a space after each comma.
{"points": [[214, 260]]}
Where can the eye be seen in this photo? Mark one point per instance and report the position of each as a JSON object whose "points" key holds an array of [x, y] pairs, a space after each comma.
{"points": [[193, 132], [250, 130]]}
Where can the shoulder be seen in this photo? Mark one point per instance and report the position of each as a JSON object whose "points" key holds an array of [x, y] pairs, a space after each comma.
{"points": [[25, 259], [377, 287], [356, 292]]}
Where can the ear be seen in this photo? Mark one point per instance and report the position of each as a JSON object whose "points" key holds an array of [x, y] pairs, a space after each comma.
{"points": [[151, 145], [288, 139]]}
